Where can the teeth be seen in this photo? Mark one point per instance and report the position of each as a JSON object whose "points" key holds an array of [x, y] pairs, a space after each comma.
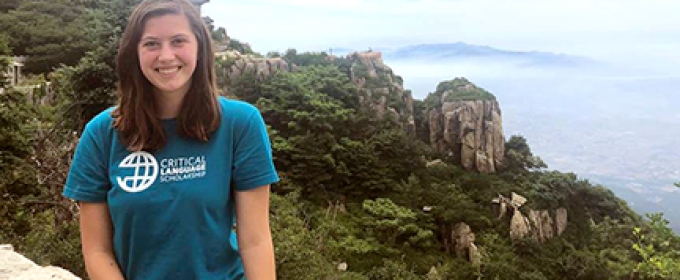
{"points": [[168, 70]]}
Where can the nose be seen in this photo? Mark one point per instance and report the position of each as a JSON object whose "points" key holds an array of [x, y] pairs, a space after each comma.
{"points": [[167, 53]]}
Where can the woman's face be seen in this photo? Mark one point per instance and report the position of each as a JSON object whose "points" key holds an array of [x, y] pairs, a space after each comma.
{"points": [[168, 52]]}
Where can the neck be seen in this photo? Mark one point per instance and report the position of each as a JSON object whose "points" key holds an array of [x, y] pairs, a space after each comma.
{"points": [[169, 104]]}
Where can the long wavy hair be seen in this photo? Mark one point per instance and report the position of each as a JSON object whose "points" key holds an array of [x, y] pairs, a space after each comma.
{"points": [[136, 117]]}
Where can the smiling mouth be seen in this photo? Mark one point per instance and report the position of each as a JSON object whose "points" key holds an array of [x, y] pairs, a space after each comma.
{"points": [[168, 70]]}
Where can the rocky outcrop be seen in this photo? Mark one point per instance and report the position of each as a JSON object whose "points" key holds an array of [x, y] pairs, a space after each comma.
{"points": [[380, 90], [540, 225], [560, 220], [543, 225], [519, 224], [464, 244], [232, 65], [14, 266], [465, 123]]}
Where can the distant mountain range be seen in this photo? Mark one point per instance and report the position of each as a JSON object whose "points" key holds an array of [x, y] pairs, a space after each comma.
{"points": [[459, 50]]}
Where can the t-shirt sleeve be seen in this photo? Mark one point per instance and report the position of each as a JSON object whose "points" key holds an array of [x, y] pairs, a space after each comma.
{"points": [[253, 166], [88, 176]]}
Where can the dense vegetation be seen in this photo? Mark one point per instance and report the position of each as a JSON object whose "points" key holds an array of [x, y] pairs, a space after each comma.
{"points": [[454, 90], [354, 186]]}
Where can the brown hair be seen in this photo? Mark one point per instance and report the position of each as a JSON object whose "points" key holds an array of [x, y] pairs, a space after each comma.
{"points": [[136, 117]]}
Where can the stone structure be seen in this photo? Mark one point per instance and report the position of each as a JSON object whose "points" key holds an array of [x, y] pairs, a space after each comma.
{"points": [[540, 224], [465, 123], [14, 70], [14, 266]]}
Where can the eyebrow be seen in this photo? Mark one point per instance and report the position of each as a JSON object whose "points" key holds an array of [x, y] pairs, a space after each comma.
{"points": [[148, 37]]}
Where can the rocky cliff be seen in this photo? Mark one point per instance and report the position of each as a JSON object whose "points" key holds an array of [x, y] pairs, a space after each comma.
{"points": [[465, 123], [380, 89]]}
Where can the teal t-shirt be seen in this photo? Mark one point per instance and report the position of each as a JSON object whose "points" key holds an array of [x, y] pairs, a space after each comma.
{"points": [[171, 210]]}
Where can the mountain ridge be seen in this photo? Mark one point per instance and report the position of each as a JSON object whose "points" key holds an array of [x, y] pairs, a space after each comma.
{"points": [[461, 50]]}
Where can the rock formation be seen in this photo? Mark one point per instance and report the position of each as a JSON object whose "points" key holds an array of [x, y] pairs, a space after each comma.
{"points": [[465, 123], [543, 224], [560, 220], [519, 224], [232, 65], [540, 224], [14, 266], [464, 244], [380, 89]]}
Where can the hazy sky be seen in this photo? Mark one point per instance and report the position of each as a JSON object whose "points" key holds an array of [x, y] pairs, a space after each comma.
{"points": [[624, 29]]}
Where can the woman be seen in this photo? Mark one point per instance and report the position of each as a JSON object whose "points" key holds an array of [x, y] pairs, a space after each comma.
{"points": [[160, 177]]}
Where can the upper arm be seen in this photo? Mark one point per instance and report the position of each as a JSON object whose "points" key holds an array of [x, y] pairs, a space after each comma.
{"points": [[253, 165], [95, 227], [88, 178]]}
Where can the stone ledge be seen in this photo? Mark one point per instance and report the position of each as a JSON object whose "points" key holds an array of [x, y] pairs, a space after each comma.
{"points": [[14, 266]]}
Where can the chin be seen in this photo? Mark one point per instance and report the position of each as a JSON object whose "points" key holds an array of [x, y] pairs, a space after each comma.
{"points": [[169, 89]]}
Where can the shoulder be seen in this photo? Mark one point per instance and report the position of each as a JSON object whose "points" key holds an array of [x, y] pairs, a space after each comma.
{"points": [[97, 135], [241, 117], [100, 128], [101, 124], [237, 109]]}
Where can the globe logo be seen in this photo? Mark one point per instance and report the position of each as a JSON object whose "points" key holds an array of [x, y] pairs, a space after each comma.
{"points": [[145, 172]]}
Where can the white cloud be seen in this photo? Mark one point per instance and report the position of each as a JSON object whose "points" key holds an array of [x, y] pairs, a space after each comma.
{"points": [[636, 187], [669, 189]]}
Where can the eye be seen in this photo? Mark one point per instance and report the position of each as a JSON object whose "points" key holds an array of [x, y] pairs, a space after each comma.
{"points": [[150, 44], [178, 41]]}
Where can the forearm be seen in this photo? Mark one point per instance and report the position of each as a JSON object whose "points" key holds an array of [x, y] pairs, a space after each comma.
{"points": [[102, 266], [258, 259], [254, 234], [96, 233]]}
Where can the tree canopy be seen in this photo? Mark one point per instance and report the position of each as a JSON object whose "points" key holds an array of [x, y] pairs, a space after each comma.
{"points": [[50, 33]]}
